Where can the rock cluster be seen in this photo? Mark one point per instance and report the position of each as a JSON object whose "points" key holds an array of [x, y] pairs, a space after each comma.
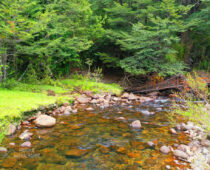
{"points": [[196, 152]]}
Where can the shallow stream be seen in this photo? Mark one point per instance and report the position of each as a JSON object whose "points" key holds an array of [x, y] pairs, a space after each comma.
{"points": [[97, 140]]}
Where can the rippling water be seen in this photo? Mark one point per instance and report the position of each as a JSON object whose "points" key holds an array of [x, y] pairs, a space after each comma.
{"points": [[97, 140]]}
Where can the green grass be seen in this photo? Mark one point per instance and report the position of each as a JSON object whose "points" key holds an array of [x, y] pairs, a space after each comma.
{"points": [[13, 103]]}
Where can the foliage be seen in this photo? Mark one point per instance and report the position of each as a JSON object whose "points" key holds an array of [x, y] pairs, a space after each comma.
{"points": [[46, 39], [195, 89]]}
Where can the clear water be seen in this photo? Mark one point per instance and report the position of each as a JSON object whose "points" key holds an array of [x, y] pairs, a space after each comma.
{"points": [[96, 140]]}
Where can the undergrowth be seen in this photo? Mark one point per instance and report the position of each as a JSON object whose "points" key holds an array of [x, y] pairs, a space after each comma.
{"points": [[195, 106]]}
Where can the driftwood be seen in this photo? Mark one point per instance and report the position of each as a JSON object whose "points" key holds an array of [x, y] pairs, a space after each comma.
{"points": [[176, 82]]}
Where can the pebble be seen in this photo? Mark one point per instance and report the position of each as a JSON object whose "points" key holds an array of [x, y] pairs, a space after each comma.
{"points": [[26, 144], [136, 124], [168, 167], [173, 131], [151, 144], [89, 109], [12, 144], [3, 149]]}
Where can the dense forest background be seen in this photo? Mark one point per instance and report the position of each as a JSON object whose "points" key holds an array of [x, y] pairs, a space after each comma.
{"points": [[52, 38]]}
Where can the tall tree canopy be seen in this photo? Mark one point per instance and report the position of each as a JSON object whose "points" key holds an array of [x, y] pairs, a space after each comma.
{"points": [[48, 38]]}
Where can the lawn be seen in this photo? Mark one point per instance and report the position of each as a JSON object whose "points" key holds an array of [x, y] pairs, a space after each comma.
{"points": [[13, 103]]}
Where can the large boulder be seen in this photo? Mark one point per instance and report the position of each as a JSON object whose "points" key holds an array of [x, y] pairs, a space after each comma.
{"points": [[136, 124], [45, 121]]}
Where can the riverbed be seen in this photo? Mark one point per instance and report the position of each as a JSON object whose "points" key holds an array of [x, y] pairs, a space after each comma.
{"points": [[101, 138]]}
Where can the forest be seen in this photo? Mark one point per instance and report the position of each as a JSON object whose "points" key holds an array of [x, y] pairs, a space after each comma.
{"points": [[105, 84], [52, 38]]}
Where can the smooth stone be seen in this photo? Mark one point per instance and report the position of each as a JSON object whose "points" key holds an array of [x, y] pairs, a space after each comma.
{"points": [[147, 113], [45, 121], [165, 149], [136, 124], [74, 111], [151, 144], [168, 167], [12, 144], [3, 149], [26, 144], [180, 154], [11, 129], [89, 109], [173, 131], [66, 113], [83, 100]]}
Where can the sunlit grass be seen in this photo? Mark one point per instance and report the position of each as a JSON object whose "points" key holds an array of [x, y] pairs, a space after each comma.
{"points": [[13, 103]]}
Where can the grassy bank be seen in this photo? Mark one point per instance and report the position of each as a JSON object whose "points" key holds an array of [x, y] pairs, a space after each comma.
{"points": [[18, 98]]}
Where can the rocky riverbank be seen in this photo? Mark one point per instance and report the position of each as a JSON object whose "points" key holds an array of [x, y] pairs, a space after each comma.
{"points": [[196, 152]]}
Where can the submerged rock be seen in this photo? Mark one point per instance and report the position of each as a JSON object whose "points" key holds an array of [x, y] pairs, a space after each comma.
{"points": [[136, 124], [165, 149], [45, 121], [76, 153], [26, 135], [11, 129], [151, 144], [9, 163]]}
